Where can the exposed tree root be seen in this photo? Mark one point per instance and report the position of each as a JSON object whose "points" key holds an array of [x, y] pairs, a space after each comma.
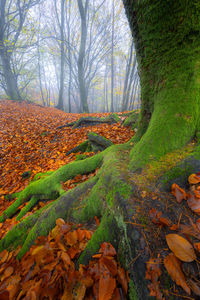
{"points": [[111, 195], [89, 121], [95, 143]]}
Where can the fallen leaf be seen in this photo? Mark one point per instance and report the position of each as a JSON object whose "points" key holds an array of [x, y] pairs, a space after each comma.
{"points": [[107, 285], [107, 249], [122, 279], [60, 222], [193, 203], [193, 179], [178, 192], [173, 266], [180, 247], [195, 286], [153, 273]]}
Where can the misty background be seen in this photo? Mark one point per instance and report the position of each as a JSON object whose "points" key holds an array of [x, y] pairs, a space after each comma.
{"points": [[77, 55]]}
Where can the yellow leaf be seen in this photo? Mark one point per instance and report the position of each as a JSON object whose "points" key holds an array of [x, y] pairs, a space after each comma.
{"points": [[181, 247]]}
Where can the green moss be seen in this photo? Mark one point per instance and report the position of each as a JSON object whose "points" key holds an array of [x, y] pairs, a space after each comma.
{"points": [[132, 120], [169, 73], [154, 170], [132, 293], [18, 234], [80, 157], [42, 175], [50, 187], [106, 232]]}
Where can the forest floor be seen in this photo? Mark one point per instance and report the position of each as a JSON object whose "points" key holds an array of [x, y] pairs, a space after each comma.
{"points": [[31, 143]]}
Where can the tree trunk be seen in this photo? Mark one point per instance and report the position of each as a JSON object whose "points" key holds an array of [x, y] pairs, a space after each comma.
{"points": [[169, 73], [112, 58], [81, 73], [10, 79], [62, 58], [69, 58], [128, 69]]}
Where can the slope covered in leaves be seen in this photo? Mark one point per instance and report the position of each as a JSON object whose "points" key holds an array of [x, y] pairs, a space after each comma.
{"points": [[30, 141]]}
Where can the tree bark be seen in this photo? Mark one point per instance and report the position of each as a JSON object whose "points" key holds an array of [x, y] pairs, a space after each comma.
{"points": [[112, 58], [62, 57], [169, 73], [81, 73]]}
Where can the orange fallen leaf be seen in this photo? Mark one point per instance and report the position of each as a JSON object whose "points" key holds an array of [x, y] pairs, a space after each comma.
{"points": [[178, 192], [181, 247], [107, 249], [173, 266], [194, 179], [193, 202], [60, 222], [107, 285], [153, 273], [122, 279]]}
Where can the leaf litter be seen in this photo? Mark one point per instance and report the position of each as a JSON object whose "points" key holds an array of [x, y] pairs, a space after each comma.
{"points": [[31, 143]]}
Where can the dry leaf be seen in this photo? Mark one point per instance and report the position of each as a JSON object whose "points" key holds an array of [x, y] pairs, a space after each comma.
{"points": [[153, 273], [107, 249], [122, 279], [193, 203], [193, 179], [181, 247], [60, 222], [173, 266], [178, 192], [107, 285], [195, 286]]}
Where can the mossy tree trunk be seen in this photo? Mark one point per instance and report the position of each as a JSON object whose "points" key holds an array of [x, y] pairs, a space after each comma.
{"points": [[167, 36], [167, 39]]}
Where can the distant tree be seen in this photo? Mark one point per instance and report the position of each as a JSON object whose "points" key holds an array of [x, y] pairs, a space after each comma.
{"points": [[13, 14]]}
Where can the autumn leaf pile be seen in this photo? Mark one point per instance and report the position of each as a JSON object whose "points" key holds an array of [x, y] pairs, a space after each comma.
{"points": [[31, 142], [183, 262], [48, 271]]}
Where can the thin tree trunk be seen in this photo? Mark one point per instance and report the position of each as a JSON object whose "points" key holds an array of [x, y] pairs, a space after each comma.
{"points": [[62, 58], [112, 58], [128, 68], [69, 58], [81, 73]]}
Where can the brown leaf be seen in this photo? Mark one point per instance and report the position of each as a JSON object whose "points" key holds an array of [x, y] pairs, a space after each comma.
{"points": [[107, 249], [198, 224], [122, 279], [153, 273], [60, 222], [173, 266], [71, 238], [181, 247], [194, 179], [193, 203], [110, 263], [107, 285], [8, 272], [3, 256], [178, 192], [66, 259], [195, 286]]}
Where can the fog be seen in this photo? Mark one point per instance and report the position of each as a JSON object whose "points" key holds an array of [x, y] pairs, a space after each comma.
{"points": [[77, 55]]}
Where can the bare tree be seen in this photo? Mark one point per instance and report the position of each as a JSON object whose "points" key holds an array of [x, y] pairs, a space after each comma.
{"points": [[12, 18]]}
